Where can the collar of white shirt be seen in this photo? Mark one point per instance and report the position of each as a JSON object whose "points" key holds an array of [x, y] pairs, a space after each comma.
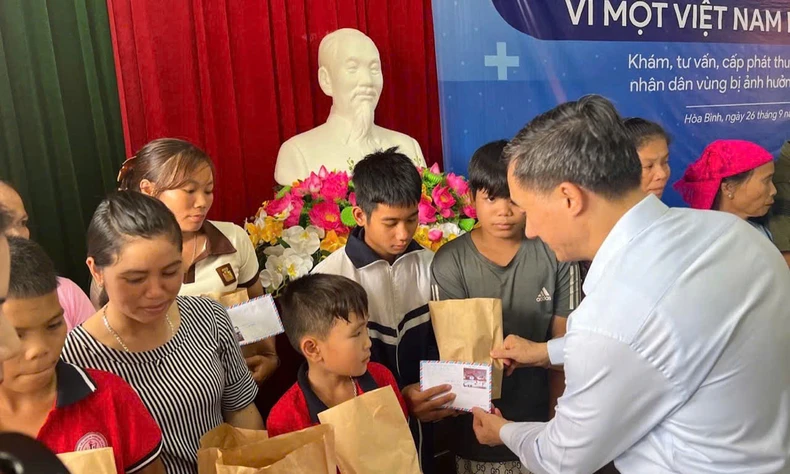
{"points": [[633, 223]]}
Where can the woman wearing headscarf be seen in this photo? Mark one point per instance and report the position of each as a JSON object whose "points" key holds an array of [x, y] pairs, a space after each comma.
{"points": [[732, 176]]}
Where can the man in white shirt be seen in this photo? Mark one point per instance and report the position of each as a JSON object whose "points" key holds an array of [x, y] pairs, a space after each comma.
{"points": [[676, 361]]}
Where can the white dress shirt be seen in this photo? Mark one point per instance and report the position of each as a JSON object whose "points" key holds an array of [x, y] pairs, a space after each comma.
{"points": [[678, 359]]}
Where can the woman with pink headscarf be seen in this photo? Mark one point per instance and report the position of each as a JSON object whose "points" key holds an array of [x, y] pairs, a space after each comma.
{"points": [[732, 176]]}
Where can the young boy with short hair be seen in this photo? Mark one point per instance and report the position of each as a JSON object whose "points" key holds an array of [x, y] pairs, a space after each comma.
{"points": [[537, 292], [325, 319], [394, 270], [65, 407]]}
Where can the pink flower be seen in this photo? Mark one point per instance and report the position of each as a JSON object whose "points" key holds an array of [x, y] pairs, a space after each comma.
{"points": [[457, 184], [470, 211], [442, 198], [335, 186], [352, 199], [300, 189], [311, 185], [278, 205], [466, 199], [435, 235], [326, 215], [296, 213], [435, 168], [427, 211], [447, 213]]}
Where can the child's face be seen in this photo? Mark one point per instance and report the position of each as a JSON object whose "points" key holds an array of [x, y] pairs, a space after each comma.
{"points": [[499, 217], [346, 349], [42, 331], [388, 229]]}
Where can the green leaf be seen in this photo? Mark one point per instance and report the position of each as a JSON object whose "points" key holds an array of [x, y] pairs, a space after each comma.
{"points": [[282, 192], [431, 179]]}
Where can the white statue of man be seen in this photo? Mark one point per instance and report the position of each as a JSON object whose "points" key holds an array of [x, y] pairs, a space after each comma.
{"points": [[349, 72]]}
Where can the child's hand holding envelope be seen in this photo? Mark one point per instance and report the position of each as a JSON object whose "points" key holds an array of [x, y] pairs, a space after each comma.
{"points": [[429, 404]]}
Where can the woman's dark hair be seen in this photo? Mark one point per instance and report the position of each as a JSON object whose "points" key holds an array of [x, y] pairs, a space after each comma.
{"points": [[735, 180], [126, 215], [488, 171], [166, 162], [641, 131]]}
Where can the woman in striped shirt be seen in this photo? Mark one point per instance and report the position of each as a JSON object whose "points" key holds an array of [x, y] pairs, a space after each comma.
{"points": [[179, 353]]}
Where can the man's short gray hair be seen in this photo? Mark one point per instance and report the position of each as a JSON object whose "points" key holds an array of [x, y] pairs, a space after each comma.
{"points": [[582, 142]]}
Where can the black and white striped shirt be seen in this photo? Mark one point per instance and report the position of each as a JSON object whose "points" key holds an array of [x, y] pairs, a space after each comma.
{"points": [[186, 384]]}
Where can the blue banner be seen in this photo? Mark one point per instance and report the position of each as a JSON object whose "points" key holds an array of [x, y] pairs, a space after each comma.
{"points": [[704, 70]]}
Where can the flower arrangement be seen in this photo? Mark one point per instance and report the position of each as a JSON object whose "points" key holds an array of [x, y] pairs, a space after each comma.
{"points": [[309, 220]]}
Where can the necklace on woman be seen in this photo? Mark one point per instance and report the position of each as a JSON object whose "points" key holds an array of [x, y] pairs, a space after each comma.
{"points": [[354, 384], [120, 341]]}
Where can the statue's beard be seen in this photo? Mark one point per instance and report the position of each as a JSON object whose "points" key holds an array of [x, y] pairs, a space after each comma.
{"points": [[362, 120]]}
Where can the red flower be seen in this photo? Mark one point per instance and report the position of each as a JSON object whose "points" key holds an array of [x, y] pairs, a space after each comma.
{"points": [[435, 235], [296, 213], [470, 211], [335, 186], [457, 184], [326, 215], [427, 211], [311, 185], [442, 198], [278, 205]]}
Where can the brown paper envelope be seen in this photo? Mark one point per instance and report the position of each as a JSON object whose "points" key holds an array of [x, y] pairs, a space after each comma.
{"points": [[224, 436], [92, 461], [230, 298], [372, 435], [310, 451], [467, 330]]}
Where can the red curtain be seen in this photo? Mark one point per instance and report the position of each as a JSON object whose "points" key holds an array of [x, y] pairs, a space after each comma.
{"points": [[239, 77]]}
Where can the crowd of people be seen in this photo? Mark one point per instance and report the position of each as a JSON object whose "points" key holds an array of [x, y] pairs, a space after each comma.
{"points": [[636, 333]]}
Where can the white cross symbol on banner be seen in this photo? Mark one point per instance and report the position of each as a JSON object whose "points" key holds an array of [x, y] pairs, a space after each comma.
{"points": [[501, 61]]}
